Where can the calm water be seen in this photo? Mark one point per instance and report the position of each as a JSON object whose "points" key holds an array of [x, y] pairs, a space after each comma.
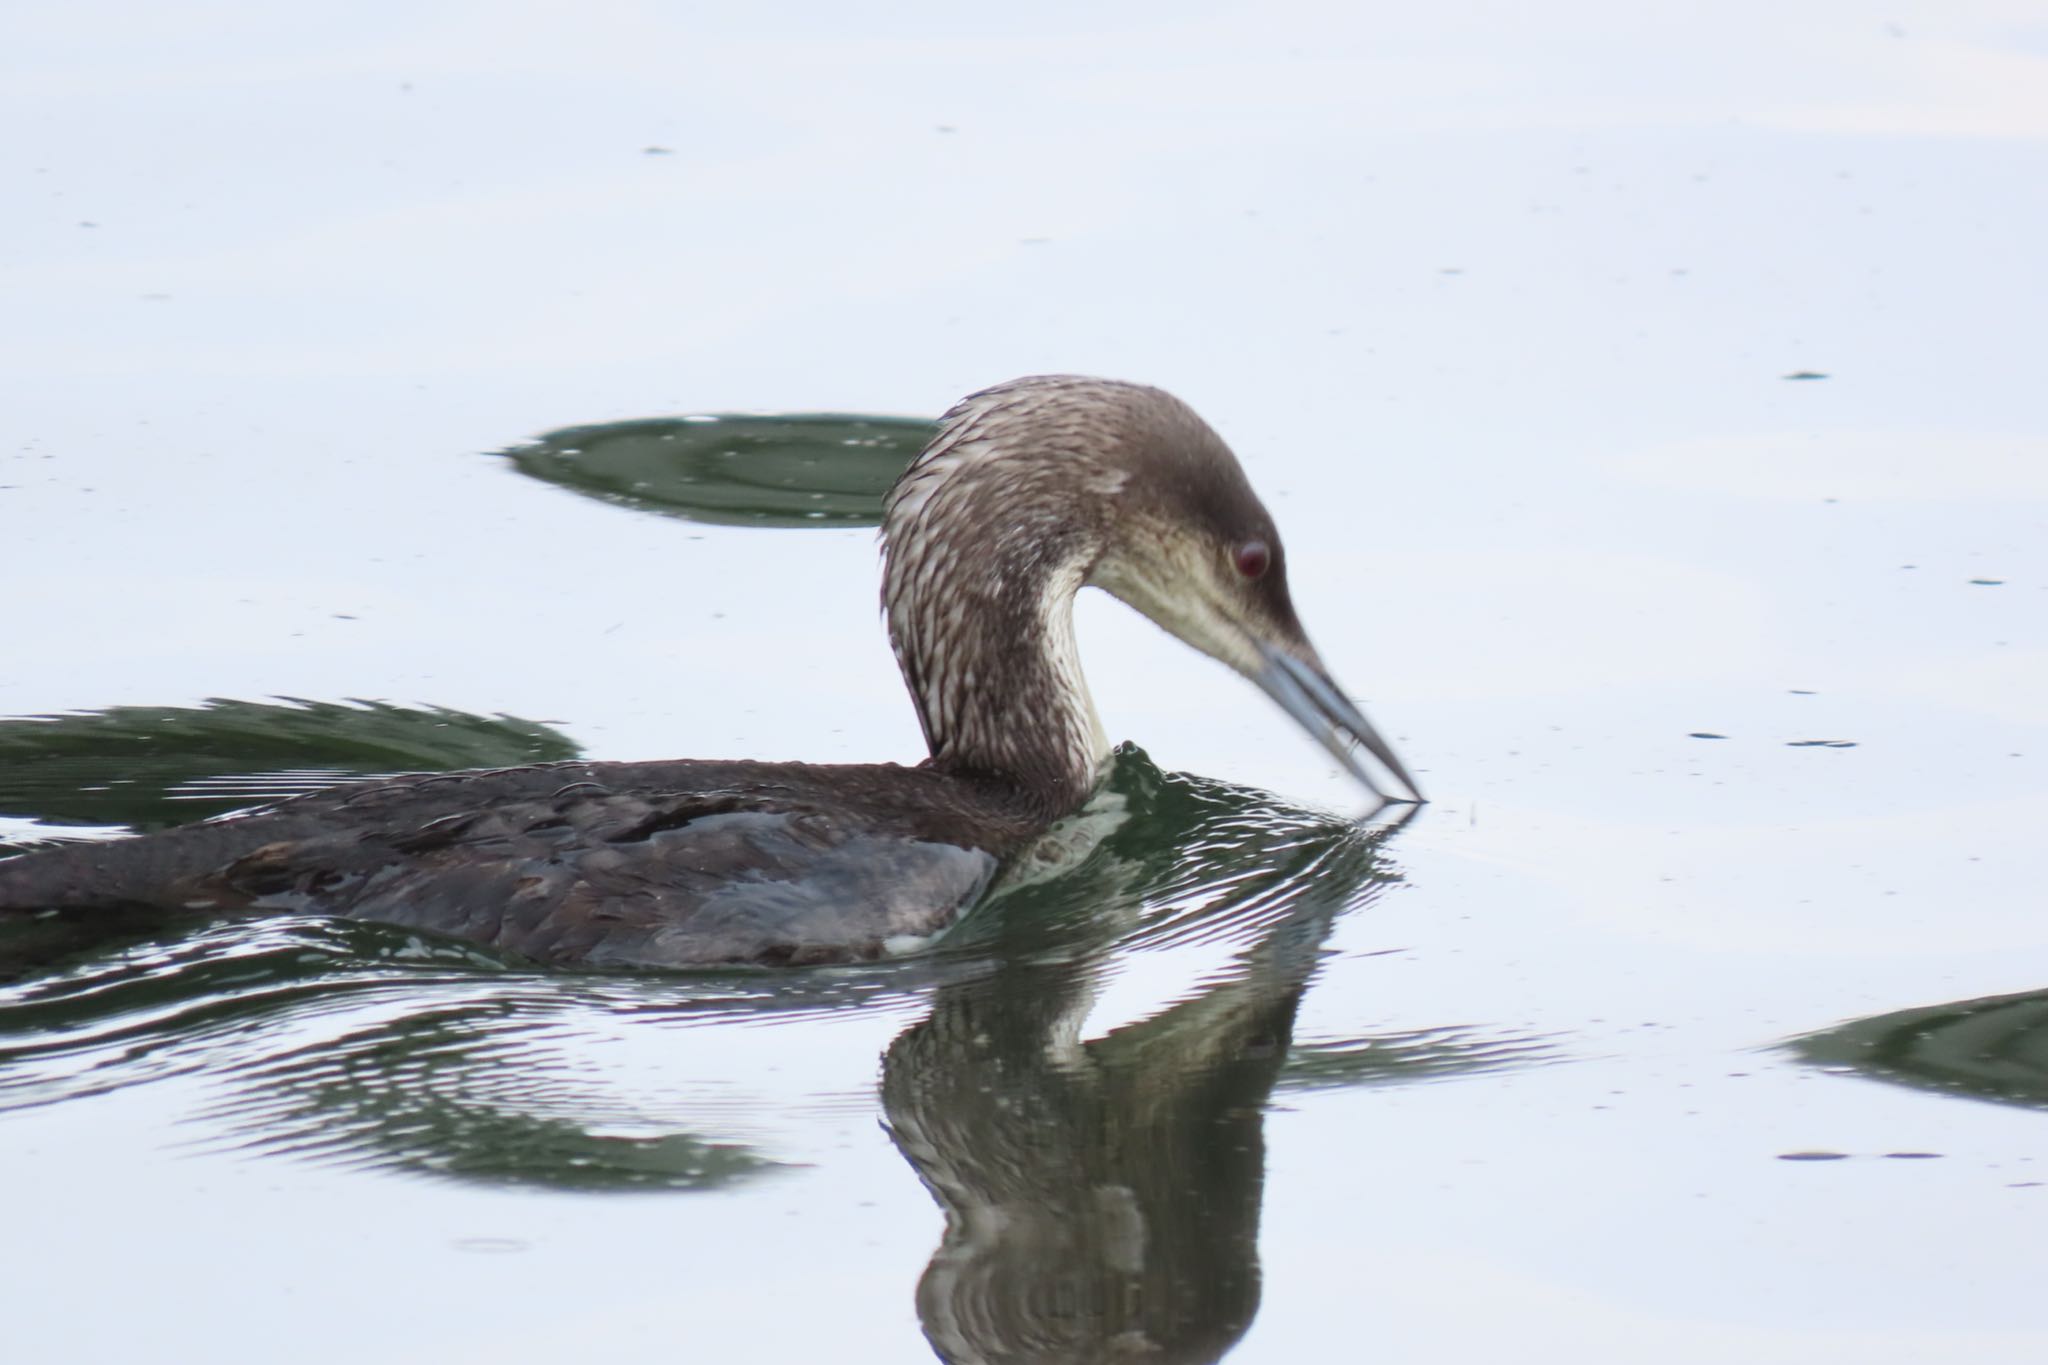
{"points": [[1700, 1018]]}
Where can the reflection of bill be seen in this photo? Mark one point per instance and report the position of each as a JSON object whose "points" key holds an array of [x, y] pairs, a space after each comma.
{"points": [[1995, 1048]]}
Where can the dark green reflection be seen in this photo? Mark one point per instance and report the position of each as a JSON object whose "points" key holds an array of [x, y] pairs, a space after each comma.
{"points": [[1995, 1048], [436, 1093], [795, 469], [150, 767], [363, 1046]]}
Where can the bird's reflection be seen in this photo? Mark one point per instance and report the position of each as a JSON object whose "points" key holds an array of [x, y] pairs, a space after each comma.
{"points": [[1102, 1198]]}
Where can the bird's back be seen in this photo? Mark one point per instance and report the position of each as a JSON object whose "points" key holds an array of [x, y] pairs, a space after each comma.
{"points": [[604, 864]]}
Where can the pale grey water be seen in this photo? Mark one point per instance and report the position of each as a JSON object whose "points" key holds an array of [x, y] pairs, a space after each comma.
{"points": [[1496, 306]]}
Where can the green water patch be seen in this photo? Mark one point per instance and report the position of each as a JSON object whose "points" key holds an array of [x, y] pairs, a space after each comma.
{"points": [[1993, 1048], [150, 767], [731, 469]]}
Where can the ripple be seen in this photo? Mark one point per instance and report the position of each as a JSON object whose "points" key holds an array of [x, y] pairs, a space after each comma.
{"points": [[367, 1046], [1416, 1055]]}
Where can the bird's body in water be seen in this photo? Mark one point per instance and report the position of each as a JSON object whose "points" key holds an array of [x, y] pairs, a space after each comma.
{"points": [[1028, 492]]}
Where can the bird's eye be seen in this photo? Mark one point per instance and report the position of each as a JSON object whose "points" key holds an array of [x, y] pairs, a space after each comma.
{"points": [[1252, 558]]}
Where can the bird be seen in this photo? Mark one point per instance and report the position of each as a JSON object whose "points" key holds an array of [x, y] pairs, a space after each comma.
{"points": [[1027, 492]]}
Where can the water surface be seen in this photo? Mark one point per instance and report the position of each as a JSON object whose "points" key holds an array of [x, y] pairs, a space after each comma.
{"points": [[1499, 310]]}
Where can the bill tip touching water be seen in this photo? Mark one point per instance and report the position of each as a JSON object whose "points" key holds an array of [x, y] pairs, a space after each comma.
{"points": [[1028, 492]]}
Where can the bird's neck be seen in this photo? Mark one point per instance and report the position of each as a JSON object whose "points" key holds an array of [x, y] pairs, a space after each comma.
{"points": [[984, 632]]}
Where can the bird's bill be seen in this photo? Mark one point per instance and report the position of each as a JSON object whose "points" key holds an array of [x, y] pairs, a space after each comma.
{"points": [[1305, 691]]}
